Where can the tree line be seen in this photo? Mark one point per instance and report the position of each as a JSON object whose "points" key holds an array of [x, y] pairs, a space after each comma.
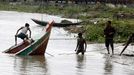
{"points": [[76, 1]]}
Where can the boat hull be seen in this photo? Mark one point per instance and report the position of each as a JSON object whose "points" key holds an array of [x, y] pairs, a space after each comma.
{"points": [[37, 47], [43, 23], [17, 48]]}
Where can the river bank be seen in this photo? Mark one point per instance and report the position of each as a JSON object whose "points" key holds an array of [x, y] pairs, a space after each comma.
{"points": [[93, 16]]}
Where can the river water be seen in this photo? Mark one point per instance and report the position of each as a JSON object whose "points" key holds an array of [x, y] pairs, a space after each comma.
{"points": [[60, 57]]}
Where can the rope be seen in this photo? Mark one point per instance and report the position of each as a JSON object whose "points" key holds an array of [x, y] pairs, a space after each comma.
{"points": [[49, 54], [63, 39], [102, 49], [87, 51]]}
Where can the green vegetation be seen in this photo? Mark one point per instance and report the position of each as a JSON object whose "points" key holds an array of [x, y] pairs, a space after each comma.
{"points": [[88, 14], [124, 28]]}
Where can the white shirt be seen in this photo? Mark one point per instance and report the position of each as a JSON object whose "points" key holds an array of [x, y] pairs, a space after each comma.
{"points": [[24, 30]]}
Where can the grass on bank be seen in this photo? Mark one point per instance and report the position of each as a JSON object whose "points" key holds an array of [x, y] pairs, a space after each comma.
{"points": [[124, 28]]}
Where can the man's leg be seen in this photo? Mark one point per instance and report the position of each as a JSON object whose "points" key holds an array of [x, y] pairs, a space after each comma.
{"points": [[15, 40], [112, 45], [108, 50], [83, 52], [107, 45], [77, 52], [26, 37]]}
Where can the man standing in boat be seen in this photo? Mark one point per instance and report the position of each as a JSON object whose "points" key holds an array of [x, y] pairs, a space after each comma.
{"points": [[23, 34], [109, 33], [81, 44]]}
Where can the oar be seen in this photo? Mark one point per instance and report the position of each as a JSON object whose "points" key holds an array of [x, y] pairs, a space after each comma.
{"points": [[125, 48], [128, 42]]}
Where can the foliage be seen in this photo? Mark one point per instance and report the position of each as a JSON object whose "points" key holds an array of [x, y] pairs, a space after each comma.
{"points": [[124, 28], [94, 33]]}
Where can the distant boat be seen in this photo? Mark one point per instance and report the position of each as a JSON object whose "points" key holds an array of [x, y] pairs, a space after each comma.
{"points": [[44, 23], [38, 47]]}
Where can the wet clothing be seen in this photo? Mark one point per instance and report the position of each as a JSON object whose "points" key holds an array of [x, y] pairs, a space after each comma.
{"points": [[22, 36], [80, 43], [109, 33], [23, 32], [108, 42]]}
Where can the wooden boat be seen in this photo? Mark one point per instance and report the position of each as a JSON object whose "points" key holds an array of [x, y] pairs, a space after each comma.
{"points": [[38, 47], [16, 48], [44, 23]]}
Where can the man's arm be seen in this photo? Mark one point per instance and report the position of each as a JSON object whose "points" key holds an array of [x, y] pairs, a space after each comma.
{"points": [[104, 31], [18, 31], [85, 45], [29, 32], [77, 45], [113, 31]]}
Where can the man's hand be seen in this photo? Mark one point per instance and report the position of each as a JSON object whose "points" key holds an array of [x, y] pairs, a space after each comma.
{"points": [[110, 33], [124, 44], [15, 35]]}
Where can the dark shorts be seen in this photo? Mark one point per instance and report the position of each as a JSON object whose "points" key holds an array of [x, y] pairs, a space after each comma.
{"points": [[108, 42], [78, 51], [22, 36]]}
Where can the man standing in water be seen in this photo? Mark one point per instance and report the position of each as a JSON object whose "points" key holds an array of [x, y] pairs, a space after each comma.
{"points": [[23, 34], [109, 33], [81, 44]]}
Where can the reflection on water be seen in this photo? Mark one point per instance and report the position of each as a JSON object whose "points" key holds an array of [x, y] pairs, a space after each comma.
{"points": [[108, 68], [80, 64], [31, 65]]}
